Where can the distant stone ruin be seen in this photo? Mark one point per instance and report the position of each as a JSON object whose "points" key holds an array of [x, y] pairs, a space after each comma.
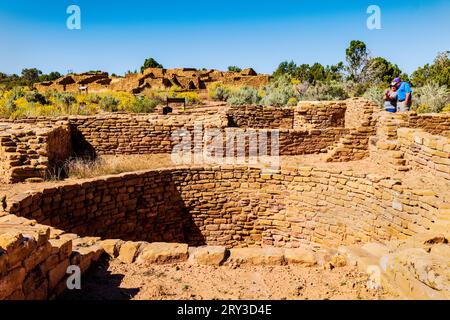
{"points": [[187, 79]]}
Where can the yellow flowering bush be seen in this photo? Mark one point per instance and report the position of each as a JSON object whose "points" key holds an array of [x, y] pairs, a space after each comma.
{"points": [[173, 91], [446, 108], [292, 101], [22, 102], [191, 97]]}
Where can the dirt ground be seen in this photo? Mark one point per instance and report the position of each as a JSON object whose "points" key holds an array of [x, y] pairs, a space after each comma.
{"points": [[115, 280]]}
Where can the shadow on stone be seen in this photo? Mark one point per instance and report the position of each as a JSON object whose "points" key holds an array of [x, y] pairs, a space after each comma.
{"points": [[100, 284], [80, 146]]}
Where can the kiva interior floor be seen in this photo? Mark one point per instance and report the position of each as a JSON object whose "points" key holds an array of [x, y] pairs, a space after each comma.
{"points": [[115, 280]]}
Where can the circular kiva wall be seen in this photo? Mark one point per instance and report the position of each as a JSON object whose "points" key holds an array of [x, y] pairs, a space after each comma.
{"points": [[235, 206]]}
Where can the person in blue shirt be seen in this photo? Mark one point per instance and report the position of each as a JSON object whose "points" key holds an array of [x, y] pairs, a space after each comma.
{"points": [[404, 95]]}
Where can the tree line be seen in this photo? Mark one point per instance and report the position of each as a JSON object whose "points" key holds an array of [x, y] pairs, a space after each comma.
{"points": [[361, 68]]}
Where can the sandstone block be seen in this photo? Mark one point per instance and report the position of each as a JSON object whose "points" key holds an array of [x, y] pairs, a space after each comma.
{"points": [[62, 246], [208, 255], [128, 251], [37, 256], [112, 247], [300, 256], [11, 282], [161, 252], [56, 274]]}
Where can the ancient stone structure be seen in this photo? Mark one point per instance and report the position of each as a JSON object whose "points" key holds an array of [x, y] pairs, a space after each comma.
{"points": [[389, 212], [31, 153], [186, 79]]}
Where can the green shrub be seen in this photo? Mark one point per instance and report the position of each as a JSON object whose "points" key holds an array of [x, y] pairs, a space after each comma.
{"points": [[278, 92], [34, 96], [143, 105], [244, 96], [330, 90], [93, 98], [8, 108], [192, 98], [376, 95], [431, 97], [65, 98], [219, 92], [234, 69], [109, 103], [17, 93]]}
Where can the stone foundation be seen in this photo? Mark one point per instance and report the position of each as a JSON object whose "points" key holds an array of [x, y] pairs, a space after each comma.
{"points": [[236, 207], [32, 154], [242, 214]]}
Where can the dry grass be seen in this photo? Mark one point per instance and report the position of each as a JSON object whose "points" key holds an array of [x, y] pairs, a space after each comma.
{"points": [[106, 165]]}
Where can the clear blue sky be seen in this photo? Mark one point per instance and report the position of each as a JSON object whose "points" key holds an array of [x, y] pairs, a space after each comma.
{"points": [[118, 35]]}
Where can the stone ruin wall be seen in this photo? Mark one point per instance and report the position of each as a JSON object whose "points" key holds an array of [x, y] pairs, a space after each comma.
{"points": [[435, 123], [236, 207], [30, 153], [187, 79], [320, 115], [318, 127], [143, 134], [406, 142], [33, 261], [233, 206]]}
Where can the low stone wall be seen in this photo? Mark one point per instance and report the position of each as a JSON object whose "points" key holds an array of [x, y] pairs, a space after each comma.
{"points": [[384, 147], [320, 114], [29, 153], [34, 259], [236, 206], [434, 123], [305, 116], [134, 134], [424, 150], [260, 117], [360, 120], [298, 142], [360, 113], [290, 142]]}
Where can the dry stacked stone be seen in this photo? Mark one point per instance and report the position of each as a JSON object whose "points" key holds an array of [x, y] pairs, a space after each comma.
{"points": [[29, 153]]}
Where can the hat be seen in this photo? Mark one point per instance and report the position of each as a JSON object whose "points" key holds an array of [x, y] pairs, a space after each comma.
{"points": [[396, 80]]}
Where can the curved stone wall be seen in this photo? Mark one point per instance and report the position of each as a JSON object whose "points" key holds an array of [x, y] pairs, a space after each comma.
{"points": [[236, 207]]}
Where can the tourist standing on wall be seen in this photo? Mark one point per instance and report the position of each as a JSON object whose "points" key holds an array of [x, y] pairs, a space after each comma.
{"points": [[404, 95], [390, 99]]}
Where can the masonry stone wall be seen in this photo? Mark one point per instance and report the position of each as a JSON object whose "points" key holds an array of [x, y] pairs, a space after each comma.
{"points": [[34, 258], [260, 117], [236, 206], [402, 148], [434, 123], [421, 149], [306, 115], [320, 114], [29, 153], [360, 120], [341, 129], [360, 113]]}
